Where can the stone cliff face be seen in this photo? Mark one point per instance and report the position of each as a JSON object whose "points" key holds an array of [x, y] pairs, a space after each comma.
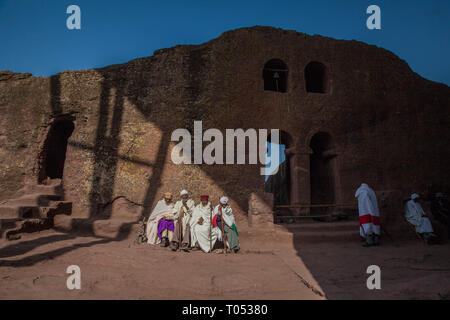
{"points": [[378, 121]]}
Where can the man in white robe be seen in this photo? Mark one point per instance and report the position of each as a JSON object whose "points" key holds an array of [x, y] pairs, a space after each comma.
{"points": [[183, 213], [369, 215], [203, 233], [418, 218], [160, 226], [224, 212]]}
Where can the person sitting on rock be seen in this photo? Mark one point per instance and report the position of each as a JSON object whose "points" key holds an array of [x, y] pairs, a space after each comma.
{"points": [[183, 213], [417, 217], [160, 224], [203, 234], [223, 212]]}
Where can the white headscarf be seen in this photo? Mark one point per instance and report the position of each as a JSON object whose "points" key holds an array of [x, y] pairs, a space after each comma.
{"points": [[224, 200], [183, 192], [363, 188], [160, 207], [414, 196]]}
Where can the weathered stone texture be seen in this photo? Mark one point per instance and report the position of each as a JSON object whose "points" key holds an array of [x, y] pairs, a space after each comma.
{"points": [[389, 126], [260, 210]]}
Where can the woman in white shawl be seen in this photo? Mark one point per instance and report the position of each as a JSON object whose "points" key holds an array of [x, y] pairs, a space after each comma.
{"points": [[369, 215], [203, 234], [417, 217]]}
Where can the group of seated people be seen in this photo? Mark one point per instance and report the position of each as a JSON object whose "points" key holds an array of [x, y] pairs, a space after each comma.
{"points": [[186, 226]]}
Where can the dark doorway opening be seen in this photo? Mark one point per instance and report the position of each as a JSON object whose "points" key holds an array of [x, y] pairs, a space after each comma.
{"points": [[275, 75], [322, 172], [54, 151], [316, 77], [280, 183]]}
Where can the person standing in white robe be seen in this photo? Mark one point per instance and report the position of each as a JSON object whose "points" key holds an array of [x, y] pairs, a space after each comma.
{"points": [[418, 218], [183, 213], [369, 215], [203, 234]]}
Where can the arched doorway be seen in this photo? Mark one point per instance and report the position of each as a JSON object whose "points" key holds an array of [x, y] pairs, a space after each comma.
{"points": [[275, 76], [322, 172], [280, 183], [53, 155]]}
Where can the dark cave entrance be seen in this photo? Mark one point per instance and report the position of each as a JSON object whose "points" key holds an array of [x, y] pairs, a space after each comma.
{"points": [[53, 154], [322, 172]]}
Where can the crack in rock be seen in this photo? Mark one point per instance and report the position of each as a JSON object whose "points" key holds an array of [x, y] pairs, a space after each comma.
{"points": [[303, 280], [128, 200]]}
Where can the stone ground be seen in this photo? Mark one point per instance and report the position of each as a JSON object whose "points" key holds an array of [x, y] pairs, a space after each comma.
{"points": [[34, 267]]}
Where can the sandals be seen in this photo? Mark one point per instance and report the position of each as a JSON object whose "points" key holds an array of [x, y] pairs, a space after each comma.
{"points": [[164, 242]]}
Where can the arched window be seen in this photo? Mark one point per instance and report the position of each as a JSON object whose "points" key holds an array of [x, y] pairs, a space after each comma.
{"points": [[316, 77], [275, 76]]}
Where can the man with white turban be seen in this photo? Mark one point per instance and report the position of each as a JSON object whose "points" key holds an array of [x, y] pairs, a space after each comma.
{"points": [[160, 225], [183, 213], [203, 234], [369, 215], [417, 217], [223, 212]]}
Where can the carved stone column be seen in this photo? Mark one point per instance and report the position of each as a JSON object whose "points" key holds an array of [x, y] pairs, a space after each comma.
{"points": [[300, 177]]}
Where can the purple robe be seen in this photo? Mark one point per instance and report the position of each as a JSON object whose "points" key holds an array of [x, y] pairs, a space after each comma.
{"points": [[164, 224]]}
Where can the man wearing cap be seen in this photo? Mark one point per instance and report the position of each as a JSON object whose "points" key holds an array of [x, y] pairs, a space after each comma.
{"points": [[369, 215], [203, 234], [417, 217], [183, 212], [160, 224], [223, 212]]}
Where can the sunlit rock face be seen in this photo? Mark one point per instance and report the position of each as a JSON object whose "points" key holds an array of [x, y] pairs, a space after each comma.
{"points": [[349, 113]]}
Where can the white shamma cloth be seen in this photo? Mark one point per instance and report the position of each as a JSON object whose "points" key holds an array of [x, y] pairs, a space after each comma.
{"points": [[369, 214], [201, 232], [416, 216]]}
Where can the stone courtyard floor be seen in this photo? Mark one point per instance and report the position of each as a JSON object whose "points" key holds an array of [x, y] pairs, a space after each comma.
{"points": [[34, 267]]}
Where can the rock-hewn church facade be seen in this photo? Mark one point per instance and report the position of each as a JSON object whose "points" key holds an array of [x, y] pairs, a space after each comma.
{"points": [[348, 113]]}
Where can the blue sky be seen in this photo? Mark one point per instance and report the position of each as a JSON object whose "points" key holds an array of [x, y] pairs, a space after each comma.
{"points": [[34, 37]]}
